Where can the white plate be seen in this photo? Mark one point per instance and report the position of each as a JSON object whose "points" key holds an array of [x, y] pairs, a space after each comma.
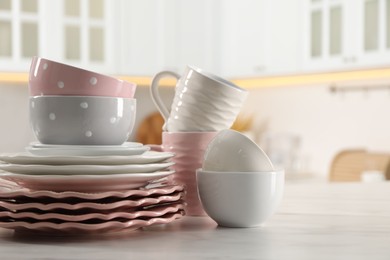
{"points": [[37, 169], [27, 158], [88, 152], [85, 183], [122, 146]]}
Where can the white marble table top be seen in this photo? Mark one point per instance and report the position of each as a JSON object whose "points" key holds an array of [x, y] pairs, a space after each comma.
{"points": [[315, 221]]}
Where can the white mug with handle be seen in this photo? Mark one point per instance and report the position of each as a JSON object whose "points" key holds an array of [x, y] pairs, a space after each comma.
{"points": [[203, 102]]}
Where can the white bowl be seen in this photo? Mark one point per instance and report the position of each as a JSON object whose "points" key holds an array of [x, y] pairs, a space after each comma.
{"points": [[240, 199], [231, 151], [82, 120]]}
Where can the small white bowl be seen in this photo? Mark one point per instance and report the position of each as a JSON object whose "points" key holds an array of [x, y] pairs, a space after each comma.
{"points": [[231, 151], [82, 120], [240, 199]]}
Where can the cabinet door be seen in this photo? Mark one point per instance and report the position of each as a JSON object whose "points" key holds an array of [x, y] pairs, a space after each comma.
{"points": [[374, 35], [197, 35], [143, 38], [86, 34], [79, 32], [329, 35], [20, 33], [243, 38]]}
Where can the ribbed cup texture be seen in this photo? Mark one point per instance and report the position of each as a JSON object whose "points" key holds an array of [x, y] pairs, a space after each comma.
{"points": [[189, 149]]}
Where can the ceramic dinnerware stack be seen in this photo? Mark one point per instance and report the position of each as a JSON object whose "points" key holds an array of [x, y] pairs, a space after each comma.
{"points": [[89, 179], [238, 185], [203, 105]]}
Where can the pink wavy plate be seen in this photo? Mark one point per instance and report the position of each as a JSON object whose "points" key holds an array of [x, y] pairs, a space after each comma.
{"points": [[91, 205], [85, 183], [12, 191], [85, 228], [150, 212]]}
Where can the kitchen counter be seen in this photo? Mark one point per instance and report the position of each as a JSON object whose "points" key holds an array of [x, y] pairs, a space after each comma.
{"points": [[315, 221]]}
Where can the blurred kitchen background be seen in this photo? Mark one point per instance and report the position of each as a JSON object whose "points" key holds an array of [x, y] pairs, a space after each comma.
{"points": [[318, 71]]}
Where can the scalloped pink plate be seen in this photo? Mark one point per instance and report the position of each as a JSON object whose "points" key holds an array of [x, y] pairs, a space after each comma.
{"points": [[155, 211], [75, 228], [126, 203], [10, 190]]}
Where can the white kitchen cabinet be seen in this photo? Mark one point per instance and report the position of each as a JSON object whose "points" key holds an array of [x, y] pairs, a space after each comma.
{"points": [[170, 34], [78, 32], [20, 32], [231, 38], [343, 34], [262, 37], [131, 37], [242, 38], [143, 38], [374, 44]]}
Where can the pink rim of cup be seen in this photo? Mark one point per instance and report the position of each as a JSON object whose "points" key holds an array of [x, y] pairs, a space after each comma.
{"points": [[48, 77]]}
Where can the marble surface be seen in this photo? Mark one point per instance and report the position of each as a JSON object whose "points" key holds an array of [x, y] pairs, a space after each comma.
{"points": [[315, 221]]}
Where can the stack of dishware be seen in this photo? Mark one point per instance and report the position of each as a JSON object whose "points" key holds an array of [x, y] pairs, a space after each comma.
{"points": [[203, 105], [238, 185], [82, 176]]}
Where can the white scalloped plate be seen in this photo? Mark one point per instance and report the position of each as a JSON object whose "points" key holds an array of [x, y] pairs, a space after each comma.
{"points": [[75, 228], [85, 183], [37, 169], [27, 158]]}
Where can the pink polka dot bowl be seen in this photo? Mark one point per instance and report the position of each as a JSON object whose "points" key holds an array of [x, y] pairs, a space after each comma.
{"points": [[82, 120], [48, 77]]}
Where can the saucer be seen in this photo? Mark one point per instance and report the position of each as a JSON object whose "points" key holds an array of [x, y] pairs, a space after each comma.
{"points": [[36, 169], [28, 158]]}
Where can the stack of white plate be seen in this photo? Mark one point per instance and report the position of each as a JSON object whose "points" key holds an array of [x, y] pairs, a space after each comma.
{"points": [[87, 189]]}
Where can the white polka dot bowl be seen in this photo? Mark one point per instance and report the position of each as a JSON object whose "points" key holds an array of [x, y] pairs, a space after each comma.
{"points": [[53, 78], [82, 120], [240, 199]]}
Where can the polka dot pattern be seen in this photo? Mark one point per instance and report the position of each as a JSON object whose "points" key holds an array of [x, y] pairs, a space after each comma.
{"points": [[60, 84], [81, 120], [52, 116], [93, 81], [84, 105], [54, 78]]}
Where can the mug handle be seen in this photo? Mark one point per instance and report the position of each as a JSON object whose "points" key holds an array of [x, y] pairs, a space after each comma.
{"points": [[155, 95]]}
